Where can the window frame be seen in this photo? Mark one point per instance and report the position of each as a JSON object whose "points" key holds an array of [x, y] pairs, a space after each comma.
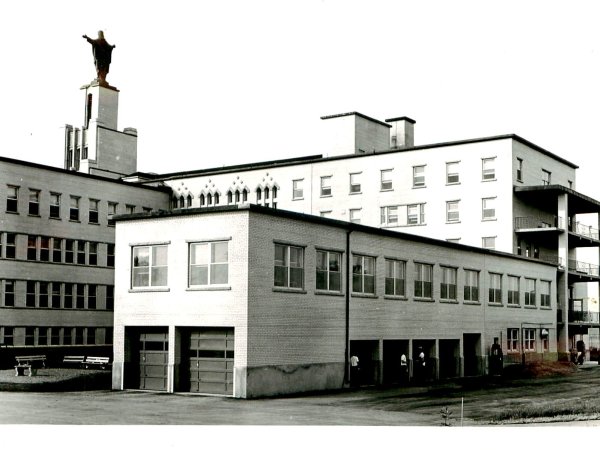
{"points": [[93, 216], [529, 339], [395, 279], [449, 290], [326, 272], [487, 173], [12, 199], [351, 215], [454, 173], [514, 296], [386, 184], [287, 269], [387, 216], [209, 263], [530, 292], [486, 240], [422, 286], [297, 189], [416, 218], [326, 186], [512, 340], [355, 186], [450, 211], [495, 289], [485, 208], [34, 202], [74, 207], [545, 298], [360, 274], [418, 179], [152, 266]]}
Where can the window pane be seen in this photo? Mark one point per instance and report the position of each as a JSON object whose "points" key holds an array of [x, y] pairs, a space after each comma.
{"points": [[141, 256], [198, 275], [159, 255], [199, 254], [219, 274], [219, 252], [159, 276]]}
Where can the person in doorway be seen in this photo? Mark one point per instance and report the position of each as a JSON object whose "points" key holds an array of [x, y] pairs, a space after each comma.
{"points": [[403, 369], [496, 358], [354, 370], [420, 366]]}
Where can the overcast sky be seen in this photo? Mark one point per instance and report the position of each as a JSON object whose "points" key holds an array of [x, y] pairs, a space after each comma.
{"points": [[217, 83]]}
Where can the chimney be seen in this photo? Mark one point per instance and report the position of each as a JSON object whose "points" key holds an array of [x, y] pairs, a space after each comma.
{"points": [[402, 133]]}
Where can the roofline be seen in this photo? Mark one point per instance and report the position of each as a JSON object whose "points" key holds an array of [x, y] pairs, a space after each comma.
{"points": [[20, 162], [558, 188], [356, 113], [349, 226], [396, 119]]}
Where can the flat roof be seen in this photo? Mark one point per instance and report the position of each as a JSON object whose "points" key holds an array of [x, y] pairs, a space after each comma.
{"points": [[356, 113]]}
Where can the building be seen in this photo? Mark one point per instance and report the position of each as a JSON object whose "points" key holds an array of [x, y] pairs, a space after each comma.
{"points": [[251, 301]]}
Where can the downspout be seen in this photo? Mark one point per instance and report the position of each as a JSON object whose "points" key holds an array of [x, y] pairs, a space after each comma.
{"points": [[347, 318]]}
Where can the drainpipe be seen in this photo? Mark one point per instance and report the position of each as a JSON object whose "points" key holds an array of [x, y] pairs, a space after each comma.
{"points": [[347, 318]]}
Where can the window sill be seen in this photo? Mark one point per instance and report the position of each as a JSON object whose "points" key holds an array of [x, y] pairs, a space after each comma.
{"points": [[530, 307], [471, 302], [489, 220], [424, 299], [54, 218], [154, 289], [297, 199], [495, 304], [34, 215], [93, 223], [386, 190], [452, 222], [453, 184], [395, 297], [450, 301], [12, 212], [487, 181], [547, 308], [290, 290], [326, 196], [364, 295], [419, 187], [74, 221], [355, 193], [510, 305], [209, 288], [331, 293]]}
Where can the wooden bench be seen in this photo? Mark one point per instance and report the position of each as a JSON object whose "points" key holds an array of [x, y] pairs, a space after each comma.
{"points": [[97, 361], [79, 360], [31, 363]]}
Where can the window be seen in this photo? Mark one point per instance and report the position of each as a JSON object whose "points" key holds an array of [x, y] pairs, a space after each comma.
{"points": [[386, 180], [418, 176], [29, 335], [34, 202], [452, 176], [44, 248], [93, 213], [329, 271], [363, 274], [93, 254], [448, 284], [7, 335], [149, 266], [31, 248], [216, 196], [30, 295], [355, 187], [11, 246], [55, 299], [471, 285], [57, 250], [289, 266], [110, 298], [108, 335], [325, 213], [325, 186], [79, 335], [395, 277], [519, 169], [92, 296], [452, 212], [229, 197], [488, 242], [9, 293], [43, 294], [80, 252], [495, 289], [389, 215], [512, 340], [514, 291], [354, 215], [69, 287], [423, 280], [546, 177], [245, 195], [69, 250], [237, 197], [55, 336], [74, 209], [529, 339], [529, 292], [146, 209], [188, 201], [112, 210], [208, 263], [488, 208], [297, 189], [91, 336], [80, 296], [488, 171], [415, 214], [181, 205], [110, 255], [12, 199], [130, 209], [43, 336], [203, 199], [545, 294], [209, 199], [267, 192]]}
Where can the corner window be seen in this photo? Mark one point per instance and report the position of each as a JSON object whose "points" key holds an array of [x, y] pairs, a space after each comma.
{"points": [[452, 175], [54, 206], [423, 280], [488, 169], [389, 215], [34, 202], [395, 277], [289, 266], [325, 186], [209, 263], [488, 208], [529, 292], [471, 285], [297, 189], [545, 294], [513, 290], [363, 274], [452, 211], [418, 176], [448, 284], [495, 288], [355, 187], [149, 266], [12, 199], [329, 271], [386, 180]]}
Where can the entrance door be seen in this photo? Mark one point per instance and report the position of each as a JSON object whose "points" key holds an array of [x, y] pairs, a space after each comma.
{"points": [[154, 356], [211, 360], [472, 354]]}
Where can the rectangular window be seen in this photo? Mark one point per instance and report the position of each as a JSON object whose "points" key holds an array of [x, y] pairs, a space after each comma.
{"points": [[92, 296], [355, 187], [488, 171], [530, 292], [488, 208], [69, 287], [110, 298], [395, 277], [91, 336], [529, 339], [452, 175], [34, 202], [386, 180], [9, 293], [93, 212], [546, 177], [80, 296], [112, 210], [11, 246], [69, 250], [415, 214], [354, 215], [471, 285], [519, 169], [130, 209], [74, 209], [329, 274], [79, 335], [31, 248], [55, 336], [297, 189], [57, 250], [363, 274], [44, 248], [55, 295], [488, 242], [54, 205], [545, 294], [495, 289], [43, 294], [80, 252], [110, 255], [7, 335], [93, 253], [42, 336], [209, 264], [423, 280], [325, 214], [418, 176], [325, 186], [12, 199], [512, 340], [452, 211], [289, 266], [29, 335], [389, 215], [149, 266], [448, 284], [514, 291]]}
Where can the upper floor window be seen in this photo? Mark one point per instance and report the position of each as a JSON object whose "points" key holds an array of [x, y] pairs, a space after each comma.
{"points": [[188, 201], [34, 202], [513, 290], [355, 215], [130, 209], [415, 214], [495, 289], [452, 175], [452, 211], [423, 280], [395, 277], [363, 274], [386, 180], [326, 186], [529, 292], [112, 210], [389, 215], [93, 212], [418, 176], [297, 189], [149, 266], [289, 266], [54, 205], [545, 294], [8, 292], [355, 187], [57, 250], [74, 208], [471, 285], [488, 242], [519, 169], [209, 263], [325, 213], [329, 271], [10, 252], [512, 340], [448, 284], [546, 177], [93, 253], [12, 199], [488, 171], [488, 208]]}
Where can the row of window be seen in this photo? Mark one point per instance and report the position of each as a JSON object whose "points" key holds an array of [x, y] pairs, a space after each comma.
{"points": [[264, 196], [57, 250], [513, 344], [56, 295], [44, 336], [55, 206]]}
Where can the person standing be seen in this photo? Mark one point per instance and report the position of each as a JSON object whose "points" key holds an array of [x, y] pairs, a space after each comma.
{"points": [[354, 370], [496, 361], [403, 369]]}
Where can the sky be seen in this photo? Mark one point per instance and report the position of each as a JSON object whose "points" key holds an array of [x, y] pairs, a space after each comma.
{"points": [[211, 83]]}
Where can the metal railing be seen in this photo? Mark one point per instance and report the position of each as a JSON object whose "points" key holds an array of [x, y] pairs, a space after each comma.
{"points": [[585, 230], [527, 223], [584, 316], [583, 267]]}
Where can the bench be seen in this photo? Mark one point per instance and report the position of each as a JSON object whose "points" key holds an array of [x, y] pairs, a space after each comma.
{"points": [[79, 360], [97, 361], [31, 363]]}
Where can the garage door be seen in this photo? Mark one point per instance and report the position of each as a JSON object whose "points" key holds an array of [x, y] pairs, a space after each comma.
{"points": [[211, 360], [154, 355]]}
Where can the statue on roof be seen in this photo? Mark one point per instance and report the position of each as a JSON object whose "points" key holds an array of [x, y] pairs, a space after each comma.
{"points": [[102, 51]]}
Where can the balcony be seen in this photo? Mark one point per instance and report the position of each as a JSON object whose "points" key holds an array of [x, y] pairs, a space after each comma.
{"points": [[583, 268], [585, 230], [540, 223], [584, 317]]}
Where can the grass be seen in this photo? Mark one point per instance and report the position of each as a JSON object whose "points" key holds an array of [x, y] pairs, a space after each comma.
{"points": [[560, 411], [56, 379]]}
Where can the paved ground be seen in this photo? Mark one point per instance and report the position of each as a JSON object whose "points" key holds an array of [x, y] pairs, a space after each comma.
{"points": [[397, 406]]}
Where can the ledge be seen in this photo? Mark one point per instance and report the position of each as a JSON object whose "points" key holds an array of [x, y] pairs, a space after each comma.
{"points": [[471, 302], [144, 290], [208, 288], [395, 297], [363, 295], [290, 290], [451, 302], [330, 293], [423, 299], [496, 304]]}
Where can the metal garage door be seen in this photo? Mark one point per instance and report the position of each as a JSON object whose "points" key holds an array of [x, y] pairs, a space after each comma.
{"points": [[211, 360], [154, 355]]}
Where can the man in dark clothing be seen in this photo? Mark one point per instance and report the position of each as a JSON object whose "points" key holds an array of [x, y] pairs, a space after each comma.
{"points": [[102, 51]]}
